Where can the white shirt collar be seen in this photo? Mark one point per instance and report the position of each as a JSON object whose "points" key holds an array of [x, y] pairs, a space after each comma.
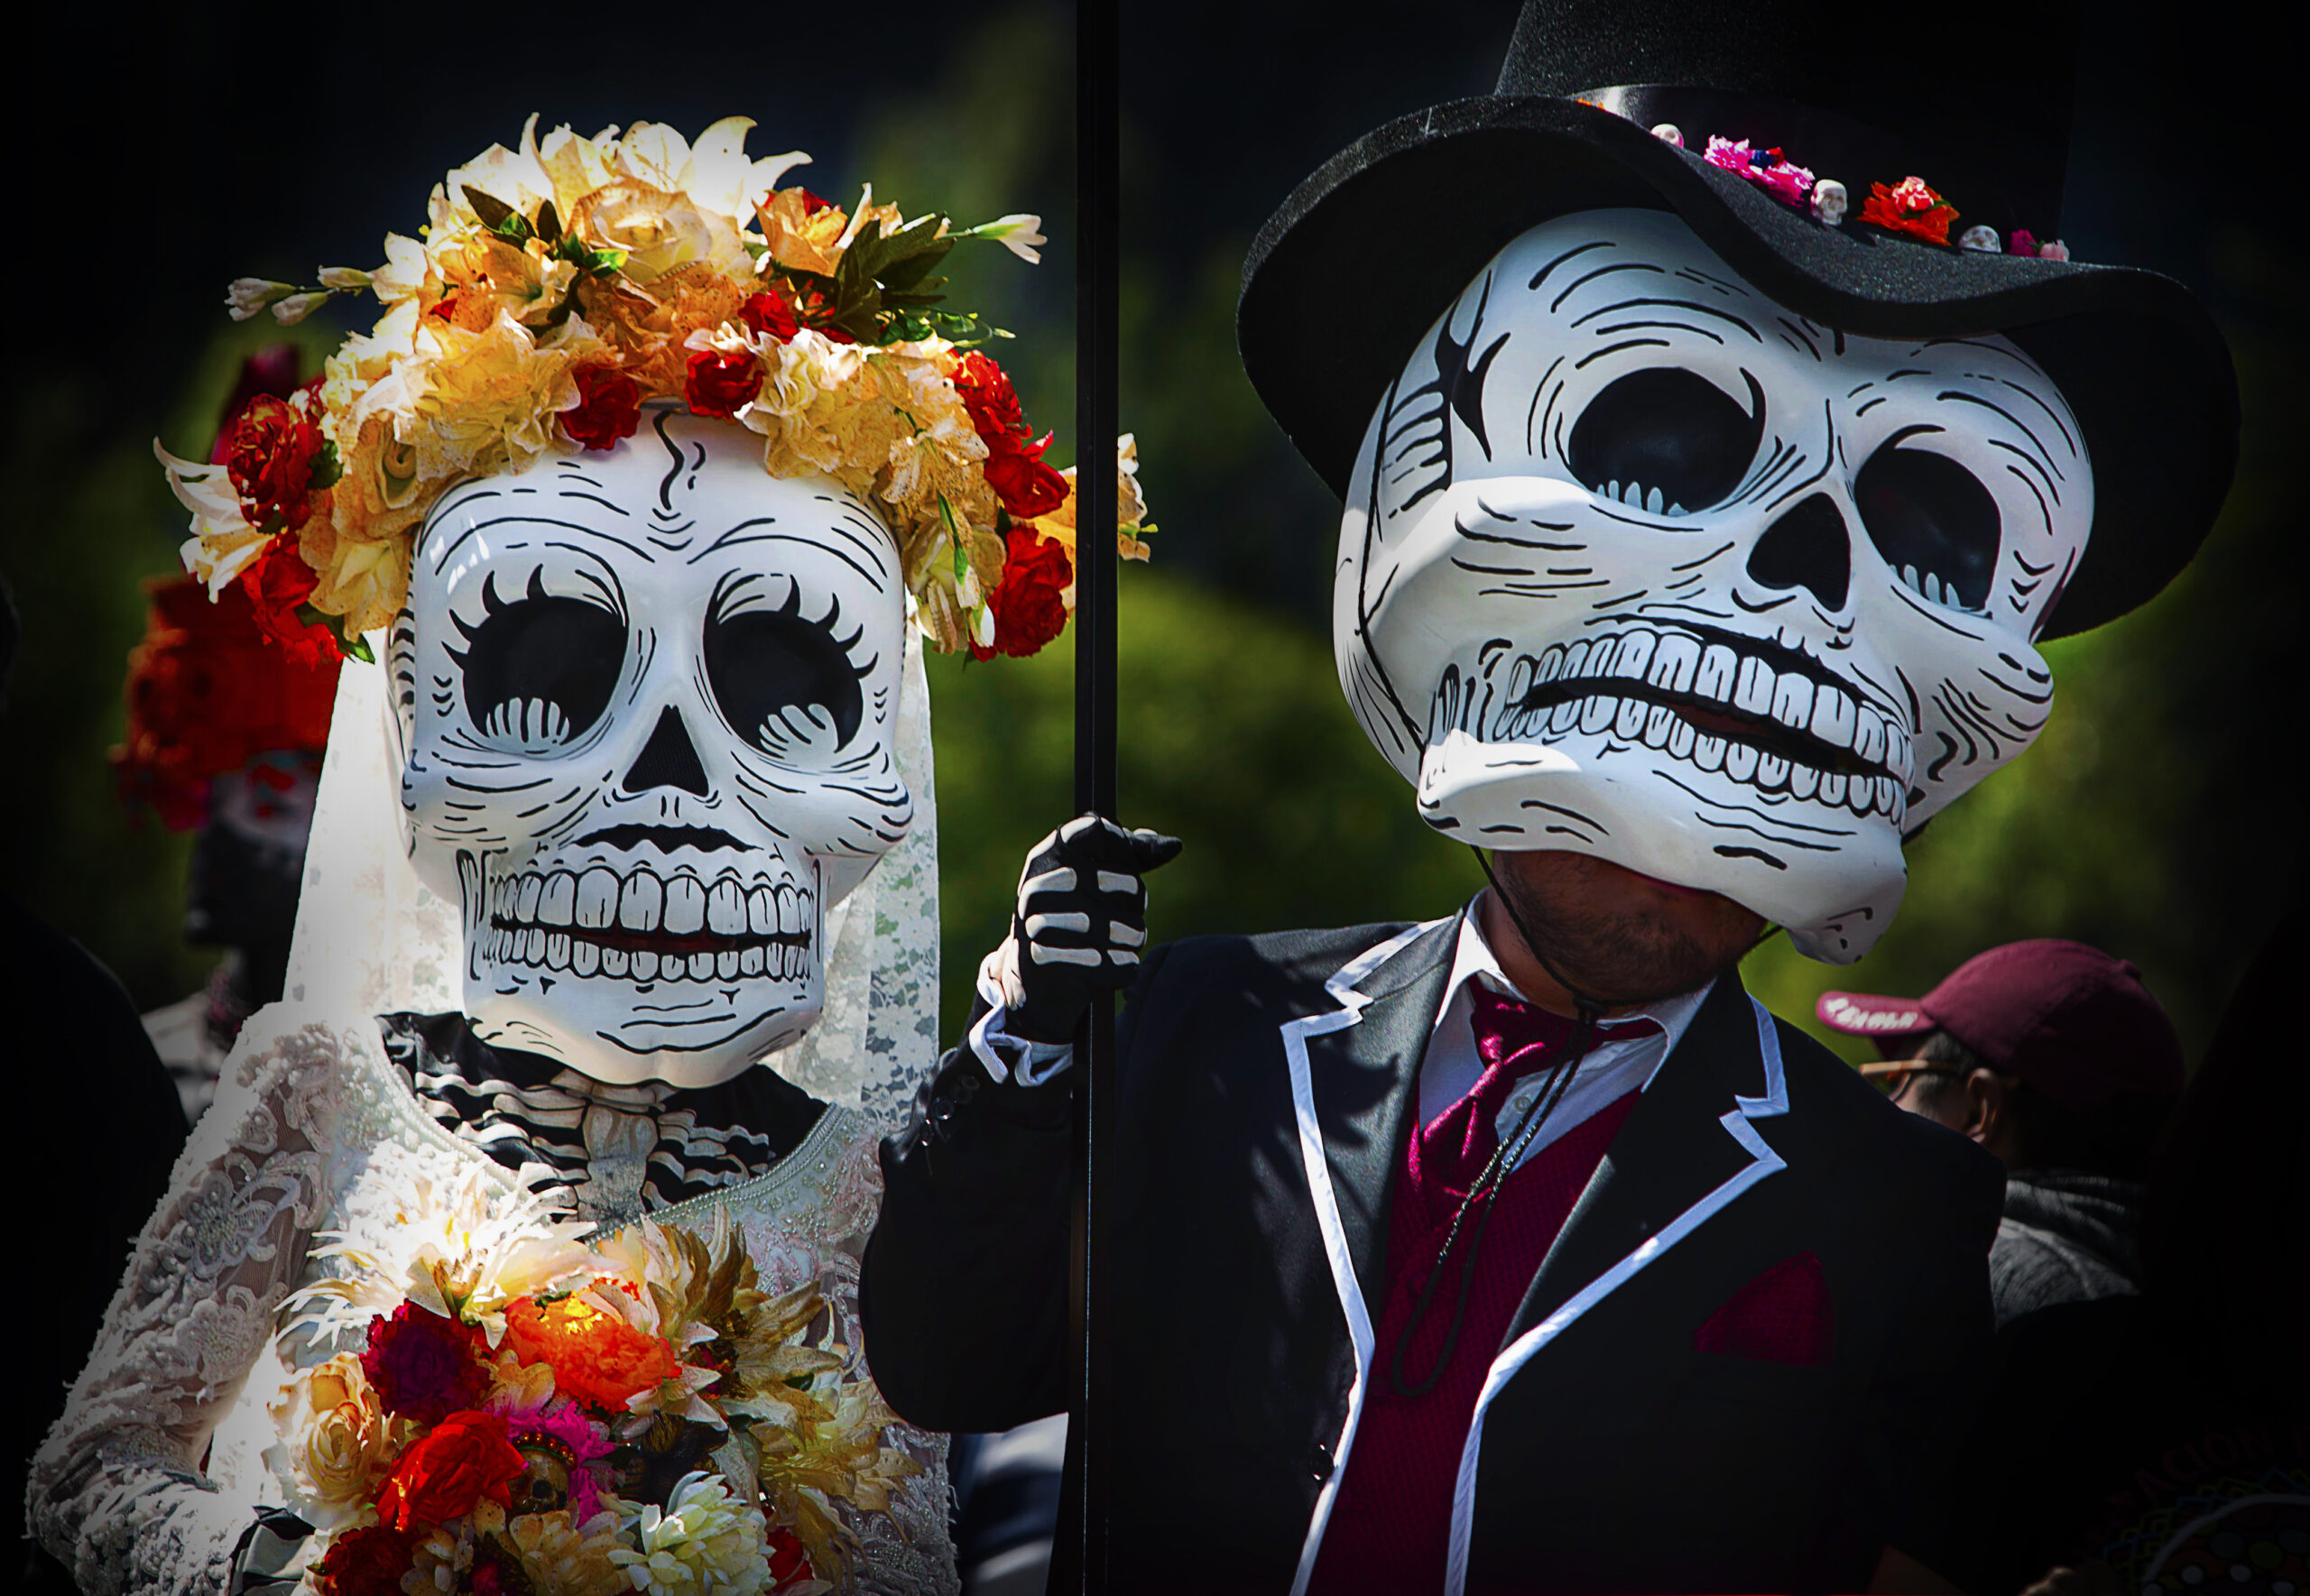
{"points": [[1472, 957]]}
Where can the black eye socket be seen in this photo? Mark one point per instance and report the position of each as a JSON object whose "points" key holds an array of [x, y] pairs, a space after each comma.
{"points": [[539, 670], [775, 673], [1933, 521], [1666, 440]]}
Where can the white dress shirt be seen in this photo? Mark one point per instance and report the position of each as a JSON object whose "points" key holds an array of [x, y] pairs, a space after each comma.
{"points": [[1448, 1070]]}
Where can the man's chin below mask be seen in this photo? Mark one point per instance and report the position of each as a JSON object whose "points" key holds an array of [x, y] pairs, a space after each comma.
{"points": [[1832, 879]]}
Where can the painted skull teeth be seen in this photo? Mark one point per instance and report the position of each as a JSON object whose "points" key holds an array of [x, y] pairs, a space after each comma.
{"points": [[1769, 716], [645, 927]]}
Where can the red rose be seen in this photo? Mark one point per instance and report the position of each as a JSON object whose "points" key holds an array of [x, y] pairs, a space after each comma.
{"points": [[988, 396], [770, 317], [276, 585], [366, 1563], [812, 205], [722, 385], [609, 408], [463, 1458], [423, 1365], [271, 370], [1016, 472], [1029, 604], [270, 460]]}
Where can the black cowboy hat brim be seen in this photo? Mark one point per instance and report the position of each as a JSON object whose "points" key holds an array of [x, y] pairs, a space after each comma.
{"points": [[1346, 278]]}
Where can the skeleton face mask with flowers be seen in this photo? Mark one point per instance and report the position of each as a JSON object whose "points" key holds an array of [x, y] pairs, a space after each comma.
{"points": [[1638, 564], [647, 699]]}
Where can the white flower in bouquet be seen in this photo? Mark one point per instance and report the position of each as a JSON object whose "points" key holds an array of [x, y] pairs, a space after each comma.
{"points": [[704, 1542], [463, 1249]]}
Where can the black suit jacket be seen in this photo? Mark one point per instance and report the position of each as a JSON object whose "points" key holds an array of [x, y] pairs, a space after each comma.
{"points": [[1267, 1086]]}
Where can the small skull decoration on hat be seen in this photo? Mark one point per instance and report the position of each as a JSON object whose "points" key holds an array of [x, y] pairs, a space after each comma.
{"points": [[1639, 563]]}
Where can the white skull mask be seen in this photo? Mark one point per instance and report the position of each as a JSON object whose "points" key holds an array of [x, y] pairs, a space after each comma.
{"points": [[1638, 564], [648, 699]]}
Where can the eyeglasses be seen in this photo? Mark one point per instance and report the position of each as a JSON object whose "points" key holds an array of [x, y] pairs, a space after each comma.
{"points": [[1893, 1081], [1892, 1078]]}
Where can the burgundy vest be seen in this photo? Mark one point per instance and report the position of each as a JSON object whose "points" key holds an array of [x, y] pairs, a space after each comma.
{"points": [[1392, 1521]]}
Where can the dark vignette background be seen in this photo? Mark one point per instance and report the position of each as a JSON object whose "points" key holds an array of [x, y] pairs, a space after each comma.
{"points": [[159, 158]]}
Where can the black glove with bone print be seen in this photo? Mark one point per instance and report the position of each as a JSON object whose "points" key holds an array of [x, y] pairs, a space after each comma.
{"points": [[1080, 921]]}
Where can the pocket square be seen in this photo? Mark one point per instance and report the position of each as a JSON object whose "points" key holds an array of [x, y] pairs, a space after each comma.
{"points": [[1781, 1317]]}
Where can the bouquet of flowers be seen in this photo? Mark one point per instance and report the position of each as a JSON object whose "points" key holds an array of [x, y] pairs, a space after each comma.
{"points": [[527, 1411]]}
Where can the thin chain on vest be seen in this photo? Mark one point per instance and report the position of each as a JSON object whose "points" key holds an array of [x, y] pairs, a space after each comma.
{"points": [[1505, 1157]]}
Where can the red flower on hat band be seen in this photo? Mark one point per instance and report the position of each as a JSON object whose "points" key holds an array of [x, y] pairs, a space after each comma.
{"points": [[1909, 208]]}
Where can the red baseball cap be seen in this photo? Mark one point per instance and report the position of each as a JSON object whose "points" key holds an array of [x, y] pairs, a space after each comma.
{"points": [[2069, 1020]]}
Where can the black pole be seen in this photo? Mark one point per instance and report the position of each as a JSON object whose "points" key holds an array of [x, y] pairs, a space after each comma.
{"points": [[1079, 1563]]}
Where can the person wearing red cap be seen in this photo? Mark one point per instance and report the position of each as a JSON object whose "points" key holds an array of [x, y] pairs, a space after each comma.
{"points": [[2055, 1056]]}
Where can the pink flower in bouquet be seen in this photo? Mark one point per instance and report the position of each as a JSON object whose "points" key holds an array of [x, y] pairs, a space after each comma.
{"points": [[424, 1366], [561, 1443]]}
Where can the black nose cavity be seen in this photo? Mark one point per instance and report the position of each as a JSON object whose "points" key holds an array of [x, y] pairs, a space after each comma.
{"points": [[668, 759], [1807, 548]]}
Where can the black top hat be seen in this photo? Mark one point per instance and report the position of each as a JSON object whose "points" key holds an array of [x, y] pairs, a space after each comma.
{"points": [[1971, 96]]}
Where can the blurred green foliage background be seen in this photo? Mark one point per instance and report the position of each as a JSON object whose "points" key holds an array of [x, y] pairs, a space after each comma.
{"points": [[2158, 817]]}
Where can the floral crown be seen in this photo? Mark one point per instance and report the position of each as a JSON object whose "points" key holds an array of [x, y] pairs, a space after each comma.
{"points": [[559, 287]]}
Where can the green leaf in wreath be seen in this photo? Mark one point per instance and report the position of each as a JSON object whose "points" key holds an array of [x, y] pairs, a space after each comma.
{"points": [[492, 210]]}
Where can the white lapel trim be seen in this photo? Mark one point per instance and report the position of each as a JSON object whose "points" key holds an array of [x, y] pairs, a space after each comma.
{"points": [[1340, 986], [1520, 1352]]}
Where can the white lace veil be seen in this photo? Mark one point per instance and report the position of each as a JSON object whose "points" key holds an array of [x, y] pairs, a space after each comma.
{"points": [[372, 938]]}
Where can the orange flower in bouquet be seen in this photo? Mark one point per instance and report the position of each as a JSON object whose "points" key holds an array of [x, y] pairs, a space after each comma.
{"points": [[597, 1356]]}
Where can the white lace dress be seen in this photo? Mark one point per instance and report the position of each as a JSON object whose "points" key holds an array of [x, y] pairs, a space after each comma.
{"points": [[187, 1361]]}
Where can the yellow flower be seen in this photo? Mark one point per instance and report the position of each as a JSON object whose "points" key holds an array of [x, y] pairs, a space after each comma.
{"points": [[487, 400], [941, 461], [833, 421], [798, 240], [362, 579], [485, 273], [335, 1443], [660, 229], [570, 1560], [1131, 508], [576, 166]]}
